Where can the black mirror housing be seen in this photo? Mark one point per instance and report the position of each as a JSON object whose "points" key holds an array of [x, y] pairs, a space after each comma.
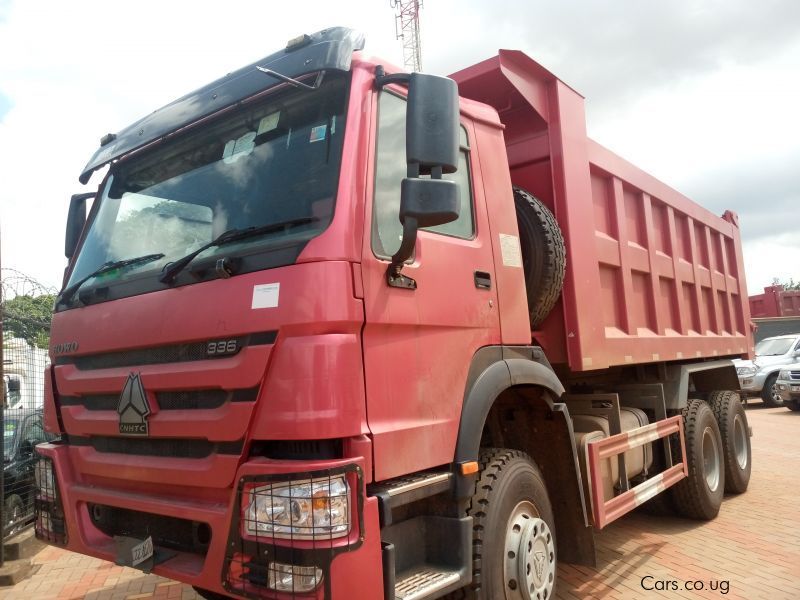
{"points": [[430, 202], [432, 123], [26, 449], [76, 219]]}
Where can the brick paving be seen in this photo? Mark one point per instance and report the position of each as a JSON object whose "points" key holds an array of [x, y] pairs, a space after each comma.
{"points": [[750, 551]]}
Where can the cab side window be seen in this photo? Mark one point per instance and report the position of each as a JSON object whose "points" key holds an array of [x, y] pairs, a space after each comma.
{"points": [[390, 170]]}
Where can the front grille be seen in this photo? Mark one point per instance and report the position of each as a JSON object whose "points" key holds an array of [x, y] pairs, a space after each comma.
{"points": [[168, 447], [180, 400], [203, 399], [167, 532], [162, 354], [794, 375]]}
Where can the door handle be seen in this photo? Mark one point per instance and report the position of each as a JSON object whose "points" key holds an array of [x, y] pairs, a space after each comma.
{"points": [[483, 280]]}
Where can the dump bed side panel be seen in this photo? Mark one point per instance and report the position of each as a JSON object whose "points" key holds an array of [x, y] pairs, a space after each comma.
{"points": [[671, 273], [651, 275]]}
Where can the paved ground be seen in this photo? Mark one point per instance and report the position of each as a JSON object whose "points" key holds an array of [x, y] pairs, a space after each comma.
{"points": [[750, 551]]}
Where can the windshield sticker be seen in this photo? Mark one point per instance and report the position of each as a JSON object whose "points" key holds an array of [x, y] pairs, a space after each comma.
{"points": [[318, 133], [265, 295], [239, 147], [268, 123]]}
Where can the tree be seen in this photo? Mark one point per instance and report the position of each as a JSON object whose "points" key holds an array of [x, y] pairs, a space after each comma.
{"points": [[28, 317], [787, 285]]}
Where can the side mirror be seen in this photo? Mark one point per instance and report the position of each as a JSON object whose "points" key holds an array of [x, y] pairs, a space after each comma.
{"points": [[431, 149], [432, 124], [26, 449], [424, 203], [76, 219]]}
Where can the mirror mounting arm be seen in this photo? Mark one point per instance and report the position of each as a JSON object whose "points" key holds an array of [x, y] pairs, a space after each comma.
{"points": [[382, 79], [393, 275]]}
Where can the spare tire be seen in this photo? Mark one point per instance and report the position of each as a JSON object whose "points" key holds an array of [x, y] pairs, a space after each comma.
{"points": [[544, 256]]}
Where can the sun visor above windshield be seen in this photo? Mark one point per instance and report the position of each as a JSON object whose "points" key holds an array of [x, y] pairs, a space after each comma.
{"points": [[329, 49]]}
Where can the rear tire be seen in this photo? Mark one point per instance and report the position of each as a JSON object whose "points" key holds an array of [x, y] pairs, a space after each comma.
{"points": [[699, 495], [769, 394], [735, 434], [544, 256], [514, 546]]}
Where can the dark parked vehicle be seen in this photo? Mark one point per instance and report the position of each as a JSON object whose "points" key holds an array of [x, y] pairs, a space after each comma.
{"points": [[22, 431]]}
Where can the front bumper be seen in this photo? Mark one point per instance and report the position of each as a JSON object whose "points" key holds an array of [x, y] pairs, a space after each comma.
{"points": [[753, 384], [788, 390], [353, 570]]}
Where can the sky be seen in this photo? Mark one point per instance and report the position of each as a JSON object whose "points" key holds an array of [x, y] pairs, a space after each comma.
{"points": [[703, 94]]}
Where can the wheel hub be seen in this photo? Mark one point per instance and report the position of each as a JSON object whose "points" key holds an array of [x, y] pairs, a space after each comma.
{"points": [[530, 555], [711, 459], [740, 442]]}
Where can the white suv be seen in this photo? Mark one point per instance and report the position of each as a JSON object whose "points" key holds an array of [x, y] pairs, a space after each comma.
{"points": [[759, 376]]}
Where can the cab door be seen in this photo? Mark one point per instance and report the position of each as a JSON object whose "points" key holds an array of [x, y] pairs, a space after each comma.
{"points": [[418, 343]]}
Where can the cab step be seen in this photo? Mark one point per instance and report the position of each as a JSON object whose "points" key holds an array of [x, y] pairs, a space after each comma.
{"points": [[405, 490], [423, 582], [426, 557]]}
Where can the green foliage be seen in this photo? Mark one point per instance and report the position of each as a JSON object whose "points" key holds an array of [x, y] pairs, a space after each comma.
{"points": [[787, 285], [28, 317]]}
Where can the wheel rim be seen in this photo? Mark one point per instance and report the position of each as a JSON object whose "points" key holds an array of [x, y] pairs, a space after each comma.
{"points": [[740, 442], [776, 397], [711, 461], [529, 569], [14, 516]]}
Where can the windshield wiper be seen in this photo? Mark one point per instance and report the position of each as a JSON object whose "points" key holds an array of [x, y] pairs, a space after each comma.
{"points": [[68, 292], [172, 269]]}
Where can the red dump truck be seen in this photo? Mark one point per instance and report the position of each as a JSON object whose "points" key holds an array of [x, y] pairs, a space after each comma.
{"points": [[332, 330]]}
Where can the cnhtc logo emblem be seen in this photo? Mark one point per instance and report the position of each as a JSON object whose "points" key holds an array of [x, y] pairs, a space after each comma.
{"points": [[133, 407]]}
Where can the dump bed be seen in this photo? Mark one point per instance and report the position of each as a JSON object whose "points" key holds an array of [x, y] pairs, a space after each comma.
{"points": [[651, 275], [775, 302]]}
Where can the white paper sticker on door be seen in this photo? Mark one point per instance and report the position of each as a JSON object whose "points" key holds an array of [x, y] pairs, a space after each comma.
{"points": [[266, 295], [509, 248]]}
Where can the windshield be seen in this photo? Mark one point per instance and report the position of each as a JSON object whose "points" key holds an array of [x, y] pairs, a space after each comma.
{"points": [[274, 162], [774, 347]]}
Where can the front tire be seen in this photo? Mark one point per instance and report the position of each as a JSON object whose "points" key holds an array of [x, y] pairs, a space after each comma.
{"points": [[514, 546], [793, 405], [699, 495], [769, 394], [735, 434]]}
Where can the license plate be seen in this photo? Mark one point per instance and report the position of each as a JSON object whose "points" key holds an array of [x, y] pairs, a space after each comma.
{"points": [[141, 552], [134, 552], [796, 388]]}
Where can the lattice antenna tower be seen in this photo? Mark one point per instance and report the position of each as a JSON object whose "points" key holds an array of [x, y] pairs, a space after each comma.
{"points": [[406, 25]]}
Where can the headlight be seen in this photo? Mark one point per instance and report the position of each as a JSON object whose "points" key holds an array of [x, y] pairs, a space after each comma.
{"points": [[746, 371], [43, 475], [305, 509], [784, 375]]}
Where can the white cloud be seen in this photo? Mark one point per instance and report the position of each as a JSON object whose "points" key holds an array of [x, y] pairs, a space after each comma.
{"points": [[698, 93]]}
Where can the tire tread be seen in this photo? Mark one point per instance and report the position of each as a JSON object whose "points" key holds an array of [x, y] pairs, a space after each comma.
{"points": [[543, 294], [687, 495]]}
